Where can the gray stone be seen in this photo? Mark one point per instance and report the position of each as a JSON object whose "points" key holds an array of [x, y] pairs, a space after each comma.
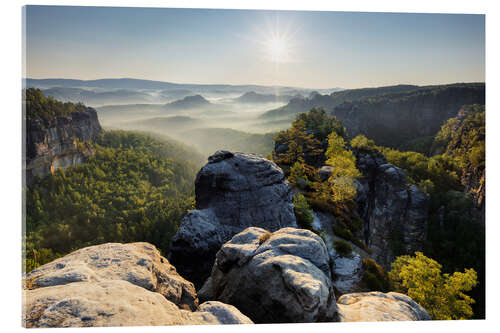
{"points": [[348, 272], [225, 313], [234, 191], [393, 211], [138, 263], [377, 306], [276, 277]]}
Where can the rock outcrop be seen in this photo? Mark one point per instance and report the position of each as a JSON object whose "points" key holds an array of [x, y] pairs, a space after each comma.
{"points": [[225, 313], [59, 143], [116, 285], [394, 212], [138, 263], [115, 303], [377, 306], [234, 191], [348, 272], [279, 277]]}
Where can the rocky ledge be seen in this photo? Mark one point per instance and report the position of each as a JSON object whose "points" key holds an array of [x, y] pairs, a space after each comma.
{"points": [[234, 191], [377, 306], [117, 285]]}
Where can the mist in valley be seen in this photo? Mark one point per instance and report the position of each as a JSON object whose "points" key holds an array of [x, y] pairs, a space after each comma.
{"points": [[205, 117]]}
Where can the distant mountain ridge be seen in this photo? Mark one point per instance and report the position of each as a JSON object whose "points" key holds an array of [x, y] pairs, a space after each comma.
{"points": [[130, 83], [188, 103], [253, 97]]}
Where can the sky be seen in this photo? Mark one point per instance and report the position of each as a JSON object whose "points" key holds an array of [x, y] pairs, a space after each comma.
{"points": [[290, 48]]}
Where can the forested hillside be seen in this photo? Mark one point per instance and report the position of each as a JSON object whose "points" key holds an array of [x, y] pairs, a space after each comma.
{"points": [[135, 188]]}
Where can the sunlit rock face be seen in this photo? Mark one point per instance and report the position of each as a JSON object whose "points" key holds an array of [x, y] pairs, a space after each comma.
{"points": [[138, 263], [279, 277], [117, 284], [59, 143], [377, 306], [234, 191]]}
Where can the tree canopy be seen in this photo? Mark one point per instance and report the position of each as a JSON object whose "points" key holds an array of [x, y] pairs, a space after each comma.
{"points": [[442, 295]]}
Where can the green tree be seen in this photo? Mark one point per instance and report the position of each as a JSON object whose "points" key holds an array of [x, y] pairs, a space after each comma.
{"points": [[341, 182], [442, 295]]}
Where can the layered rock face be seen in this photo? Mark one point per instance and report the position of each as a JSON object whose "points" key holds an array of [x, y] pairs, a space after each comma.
{"points": [[233, 191], [395, 214], [279, 277], [117, 285], [377, 306], [55, 144]]}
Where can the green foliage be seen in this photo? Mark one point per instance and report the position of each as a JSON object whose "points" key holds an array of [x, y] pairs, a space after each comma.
{"points": [[320, 123], [341, 182], [129, 191], [374, 277], [442, 295], [437, 172], [304, 139], [464, 137], [298, 175], [46, 108], [303, 213], [362, 142], [343, 248]]}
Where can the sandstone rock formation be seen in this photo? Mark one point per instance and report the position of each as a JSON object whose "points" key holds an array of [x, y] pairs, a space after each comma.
{"points": [[115, 303], [234, 191], [395, 213], [59, 143], [276, 277], [106, 303], [116, 285], [225, 313], [377, 306], [138, 263]]}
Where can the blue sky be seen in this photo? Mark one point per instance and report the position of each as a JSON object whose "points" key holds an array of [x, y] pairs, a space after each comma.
{"points": [[293, 48]]}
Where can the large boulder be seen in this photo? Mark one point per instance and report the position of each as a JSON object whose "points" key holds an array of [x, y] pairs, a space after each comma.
{"points": [[395, 213], [279, 277], [138, 263], [114, 303], [377, 306], [234, 191]]}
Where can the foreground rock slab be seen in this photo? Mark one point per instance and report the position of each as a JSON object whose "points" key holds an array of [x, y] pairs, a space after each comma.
{"points": [[234, 191], [138, 263], [279, 277], [377, 306], [113, 303]]}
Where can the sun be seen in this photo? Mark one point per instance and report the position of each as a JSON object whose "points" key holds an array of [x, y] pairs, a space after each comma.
{"points": [[277, 49]]}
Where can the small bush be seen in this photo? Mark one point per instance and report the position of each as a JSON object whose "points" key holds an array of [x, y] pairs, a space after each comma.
{"points": [[303, 212], [374, 277], [343, 248]]}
